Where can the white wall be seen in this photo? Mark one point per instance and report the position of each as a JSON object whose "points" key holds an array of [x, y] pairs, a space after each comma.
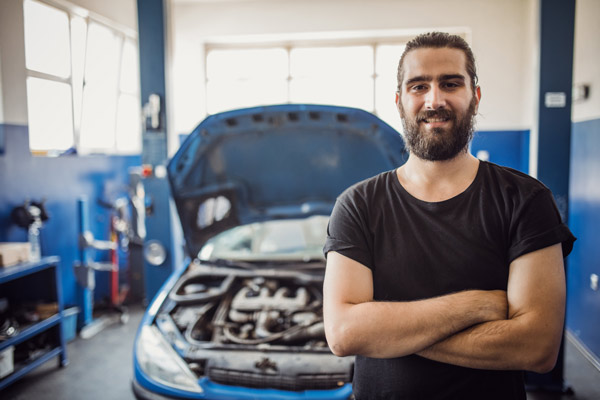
{"points": [[121, 12], [1, 101], [586, 68], [12, 55], [503, 37]]}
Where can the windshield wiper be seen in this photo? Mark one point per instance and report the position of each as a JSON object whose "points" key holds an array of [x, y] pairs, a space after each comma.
{"points": [[308, 264], [222, 262]]}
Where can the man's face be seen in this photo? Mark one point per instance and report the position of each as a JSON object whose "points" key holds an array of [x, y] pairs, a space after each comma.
{"points": [[436, 103]]}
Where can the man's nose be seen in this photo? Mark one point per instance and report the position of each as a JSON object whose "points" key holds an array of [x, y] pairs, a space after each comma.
{"points": [[435, 99]]}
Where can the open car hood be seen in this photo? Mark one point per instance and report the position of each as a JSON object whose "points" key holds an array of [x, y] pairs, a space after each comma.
{"points": [[275, 162]]}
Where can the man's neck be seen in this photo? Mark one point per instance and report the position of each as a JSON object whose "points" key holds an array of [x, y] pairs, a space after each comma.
{"points": [[435, 181]]}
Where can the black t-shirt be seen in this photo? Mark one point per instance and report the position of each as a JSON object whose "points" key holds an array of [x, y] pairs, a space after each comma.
{"points": [[417, 249]]}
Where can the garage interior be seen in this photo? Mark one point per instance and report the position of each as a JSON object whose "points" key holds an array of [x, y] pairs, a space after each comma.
{"points": [[86, 214]]}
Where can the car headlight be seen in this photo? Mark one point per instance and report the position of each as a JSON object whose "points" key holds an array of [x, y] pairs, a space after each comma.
{"points": [[160, 362]]}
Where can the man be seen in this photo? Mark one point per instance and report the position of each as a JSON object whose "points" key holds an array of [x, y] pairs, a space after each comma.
{"points": [[444, 277]]}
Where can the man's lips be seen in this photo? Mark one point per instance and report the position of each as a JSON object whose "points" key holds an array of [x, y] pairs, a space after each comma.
{"points": [[435, 122]]}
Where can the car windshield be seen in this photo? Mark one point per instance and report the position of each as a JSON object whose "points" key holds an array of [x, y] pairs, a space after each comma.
{"points": [[277, 240]]}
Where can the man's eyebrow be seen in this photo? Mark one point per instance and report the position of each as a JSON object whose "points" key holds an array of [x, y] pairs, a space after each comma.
{"points": [[422, 78], [452, 76], [428, 78]]}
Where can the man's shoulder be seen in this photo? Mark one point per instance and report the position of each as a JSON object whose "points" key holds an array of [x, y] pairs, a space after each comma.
{"points": [[511, 179], [369, 186]]}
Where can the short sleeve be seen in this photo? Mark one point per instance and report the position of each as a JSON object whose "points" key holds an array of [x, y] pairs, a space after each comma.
{"points": [[347, 231], [539, 225]]}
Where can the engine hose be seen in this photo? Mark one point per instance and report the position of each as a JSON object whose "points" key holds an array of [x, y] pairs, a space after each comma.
{"points": [[195, 298], [276, 336], [201, 320]]}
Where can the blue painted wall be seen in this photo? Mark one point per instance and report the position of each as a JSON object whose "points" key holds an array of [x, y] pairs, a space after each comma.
{"points": [[583, 303], [508, 148], [61, 181]]}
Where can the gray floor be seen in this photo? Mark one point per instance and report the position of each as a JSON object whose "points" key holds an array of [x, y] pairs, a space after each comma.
{"points": [[100, 368]]}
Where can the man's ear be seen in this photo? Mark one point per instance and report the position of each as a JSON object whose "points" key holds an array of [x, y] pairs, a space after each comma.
{"points": [[478, 95], [397, 99]]}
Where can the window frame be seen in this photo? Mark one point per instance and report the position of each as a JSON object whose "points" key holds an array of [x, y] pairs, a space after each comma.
{"points": [[374, 39], [123, 35]]}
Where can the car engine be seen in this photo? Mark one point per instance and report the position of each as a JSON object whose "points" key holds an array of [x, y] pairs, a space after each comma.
{"points": [[253, 327]]}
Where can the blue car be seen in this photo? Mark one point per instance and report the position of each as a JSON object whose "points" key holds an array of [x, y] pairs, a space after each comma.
{"points": [[242, 319]]}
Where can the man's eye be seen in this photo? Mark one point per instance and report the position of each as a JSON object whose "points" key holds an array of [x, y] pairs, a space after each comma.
{"points": [[418, 88], [451, 85]]}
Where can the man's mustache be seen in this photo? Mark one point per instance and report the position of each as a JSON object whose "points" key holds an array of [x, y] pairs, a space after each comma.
{"points": [[442, 113]]}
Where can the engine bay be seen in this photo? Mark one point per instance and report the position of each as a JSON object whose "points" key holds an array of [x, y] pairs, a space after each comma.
{"points": [[253, 327], [250, 308]]}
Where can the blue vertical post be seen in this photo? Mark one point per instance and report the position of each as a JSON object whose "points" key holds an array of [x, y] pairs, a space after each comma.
{"points": [[557, 25], [63, 359], [85, 294], [557, 32], [159, 217]]}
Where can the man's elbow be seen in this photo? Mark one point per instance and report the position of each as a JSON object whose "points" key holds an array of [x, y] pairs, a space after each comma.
{"points": [[544, 359], [339, 339], [543, 366]]}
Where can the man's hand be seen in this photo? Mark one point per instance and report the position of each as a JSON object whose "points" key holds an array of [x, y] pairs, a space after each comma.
{"points": [[530, 338], [355, 324]]}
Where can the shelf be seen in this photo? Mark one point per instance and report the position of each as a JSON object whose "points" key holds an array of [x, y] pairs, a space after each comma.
{"points": [[8, 274], [27, 273], [30, 331], [23, 369]]}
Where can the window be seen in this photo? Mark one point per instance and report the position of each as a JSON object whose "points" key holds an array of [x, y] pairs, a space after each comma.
{"points": [[332, 75], [82, 83], [359, 73], [244, 78]]}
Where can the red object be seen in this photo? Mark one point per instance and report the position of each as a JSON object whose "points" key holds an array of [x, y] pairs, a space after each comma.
{"points": [[146, 170], [114, 273]]}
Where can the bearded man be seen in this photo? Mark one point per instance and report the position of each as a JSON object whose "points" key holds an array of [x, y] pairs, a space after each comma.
{"points": [[444, 277]]}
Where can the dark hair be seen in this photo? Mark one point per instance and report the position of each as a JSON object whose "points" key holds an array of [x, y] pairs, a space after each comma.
{"points": [[440, 40]]}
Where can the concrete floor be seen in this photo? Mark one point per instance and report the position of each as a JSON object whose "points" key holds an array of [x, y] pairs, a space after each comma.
{"points": [[100, 368]]}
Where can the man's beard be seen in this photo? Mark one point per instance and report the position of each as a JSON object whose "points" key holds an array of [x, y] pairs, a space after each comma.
{"points": [[442, 143]]}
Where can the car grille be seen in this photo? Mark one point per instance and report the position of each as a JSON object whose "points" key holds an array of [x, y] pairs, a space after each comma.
{"points": [[272, 381]]}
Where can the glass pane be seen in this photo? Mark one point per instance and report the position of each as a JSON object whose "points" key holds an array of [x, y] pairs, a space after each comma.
{"points": [[50, 116], [356, 92], [98, 118], [78, 39], [228, 95], [129, 132], [100, 92], [102, 58], [247, 64], [385, 102], [130, 77], [296, 239], [387, 58], [46, 39], [350, 61], [385, 105]]}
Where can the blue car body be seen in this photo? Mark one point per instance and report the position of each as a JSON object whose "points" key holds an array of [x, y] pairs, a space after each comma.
{"points": [[244, 168]]}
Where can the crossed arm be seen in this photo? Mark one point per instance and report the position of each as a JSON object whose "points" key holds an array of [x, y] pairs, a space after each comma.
{"points": [[517, 329]]}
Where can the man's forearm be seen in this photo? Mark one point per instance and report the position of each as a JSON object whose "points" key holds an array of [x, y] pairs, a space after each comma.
{"points": [[395, 329], [513, 344], [530, 338]]}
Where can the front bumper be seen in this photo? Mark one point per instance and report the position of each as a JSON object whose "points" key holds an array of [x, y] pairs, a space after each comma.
{"points": [[214, 391], [142, 393]]}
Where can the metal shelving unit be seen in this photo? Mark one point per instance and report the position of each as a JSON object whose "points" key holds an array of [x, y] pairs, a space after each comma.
{"points": [[11, 280]]}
